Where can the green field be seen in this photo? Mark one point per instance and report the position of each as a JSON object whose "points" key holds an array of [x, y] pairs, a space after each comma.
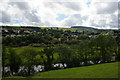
{"points": [[107, 70], [19, 49]]}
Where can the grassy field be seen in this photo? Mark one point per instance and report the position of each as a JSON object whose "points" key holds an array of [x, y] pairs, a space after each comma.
{"points": [[107, 70], [19, 49]]}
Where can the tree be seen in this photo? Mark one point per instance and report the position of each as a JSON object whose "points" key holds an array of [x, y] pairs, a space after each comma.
{"points": [[94, 51], [75, 56], [65, 54], [84, 51], [106, 45], [118, 45], [14, 60], [3, 60], [49, 54], [28, 56]]}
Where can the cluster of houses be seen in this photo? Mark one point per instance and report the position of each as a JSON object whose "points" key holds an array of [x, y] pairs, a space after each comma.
{"points": [[12, 32]]}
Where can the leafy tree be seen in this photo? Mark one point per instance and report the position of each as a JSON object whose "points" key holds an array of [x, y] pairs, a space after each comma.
{"points": [[65, 54], [106, 45], [94, 51], [84, 52], [75, 56], [49, 54], [82, 37], [118, 45], [28, 56], [3, 60], [14, 61]]}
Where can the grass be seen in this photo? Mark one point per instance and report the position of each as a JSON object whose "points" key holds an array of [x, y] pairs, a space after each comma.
{"points": [[19, 49], [107, 70]]}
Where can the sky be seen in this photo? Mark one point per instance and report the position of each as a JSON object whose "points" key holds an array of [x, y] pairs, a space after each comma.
{"points": [[60, 13]]}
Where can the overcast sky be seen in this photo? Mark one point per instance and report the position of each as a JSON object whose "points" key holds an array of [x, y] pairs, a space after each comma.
{"points": [[60, 13]]}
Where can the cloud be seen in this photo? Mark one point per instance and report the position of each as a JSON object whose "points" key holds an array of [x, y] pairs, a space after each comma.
{"points": [[75, 19], [71, 5], [60, 13], [5, 17], [32, 17], [104, 21], [20, 5], [106, 7]]}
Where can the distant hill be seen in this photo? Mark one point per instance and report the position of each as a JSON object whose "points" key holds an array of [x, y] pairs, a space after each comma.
{"points": [[84, 28], [90, 28], [72, 28]]}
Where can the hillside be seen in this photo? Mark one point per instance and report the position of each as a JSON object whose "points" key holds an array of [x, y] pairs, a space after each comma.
{"points": [[84, 28]]}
